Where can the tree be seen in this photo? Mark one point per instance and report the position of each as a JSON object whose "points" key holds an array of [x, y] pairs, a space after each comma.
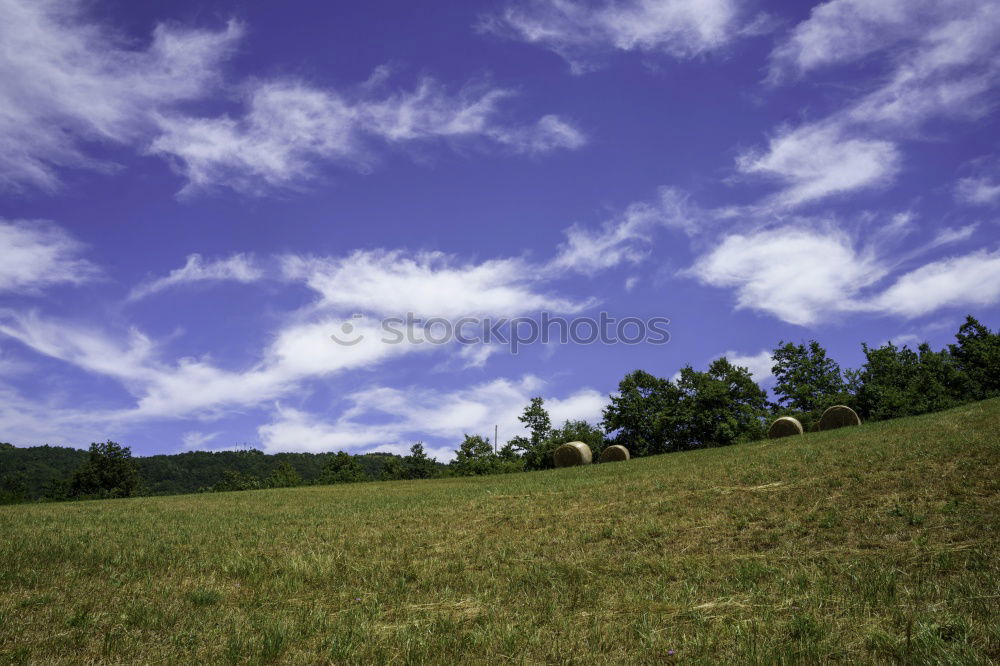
{"points": [[392, 470], [808, 381], [643, 415], [887, 372], [234, 480], [14, 488], [110, 471], [342, 468], [474, 456], [536, 419], [897, 381], [418, 465], [508, 459], [719, 407], [285, 476], [57, 490], [977, 355], [534, 447]]}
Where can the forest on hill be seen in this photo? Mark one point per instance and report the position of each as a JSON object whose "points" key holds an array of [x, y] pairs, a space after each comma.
{"points": [[45, 472]]}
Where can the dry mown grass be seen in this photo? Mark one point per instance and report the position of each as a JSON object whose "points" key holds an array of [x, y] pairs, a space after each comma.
{"points": [[867, 544]]}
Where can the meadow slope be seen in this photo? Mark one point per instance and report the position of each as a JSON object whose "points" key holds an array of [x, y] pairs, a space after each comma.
{"points": [[874, 544]]}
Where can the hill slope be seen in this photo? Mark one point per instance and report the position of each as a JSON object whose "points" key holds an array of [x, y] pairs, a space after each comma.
{"points": [[875, 543]]}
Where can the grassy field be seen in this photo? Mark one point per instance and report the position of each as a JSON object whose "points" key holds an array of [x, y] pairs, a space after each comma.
{"points": [[875, 544]]}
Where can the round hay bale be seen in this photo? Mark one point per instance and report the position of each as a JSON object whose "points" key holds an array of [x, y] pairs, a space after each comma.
{"points": [[571, 454], [785, 427], [614, 453], [838, 416]]}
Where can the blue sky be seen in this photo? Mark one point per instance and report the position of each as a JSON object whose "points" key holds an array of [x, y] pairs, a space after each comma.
{"points": [[194, 196]]}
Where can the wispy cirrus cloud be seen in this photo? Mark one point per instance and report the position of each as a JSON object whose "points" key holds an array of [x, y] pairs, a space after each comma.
{"points": [[580, 31], [841, 31], [978, 190], [290, 129], [980, 182], [971, 280], [810, 274], [627, 237], [71, 81], [818, 161], [941, 59], [797, 274], [237, 268], [35, 254], [68, 81], [429, 284], [197, 387], [377, 282]]}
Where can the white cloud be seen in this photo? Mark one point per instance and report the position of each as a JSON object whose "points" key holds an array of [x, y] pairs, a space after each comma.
{"points": [[390, 419], [296, 430], [758, 364], [300, 351], [68, 81], [237, 268], [290, 128], [799, 275], [476, 356], [950, 72], [818, 161], [194, 441], [584, 405], [805, 276], [36, 254], [576, 31], [627, 238], [430, 284], [43, 421], [921, 36], [979, 191], [550, 133], [85, 348], [10, 365], [970, 280], [952, 235], [376, 282], [942, 61], [844, 30]]}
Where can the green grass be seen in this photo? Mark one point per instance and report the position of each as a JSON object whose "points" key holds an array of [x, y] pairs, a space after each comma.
{"points": [[873, 544]]}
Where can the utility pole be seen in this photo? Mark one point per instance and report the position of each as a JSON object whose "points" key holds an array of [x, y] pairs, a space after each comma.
{"points": [[496, 431]]}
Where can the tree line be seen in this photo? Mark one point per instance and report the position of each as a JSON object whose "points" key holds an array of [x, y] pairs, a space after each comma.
{"points": [[719, 406]]}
